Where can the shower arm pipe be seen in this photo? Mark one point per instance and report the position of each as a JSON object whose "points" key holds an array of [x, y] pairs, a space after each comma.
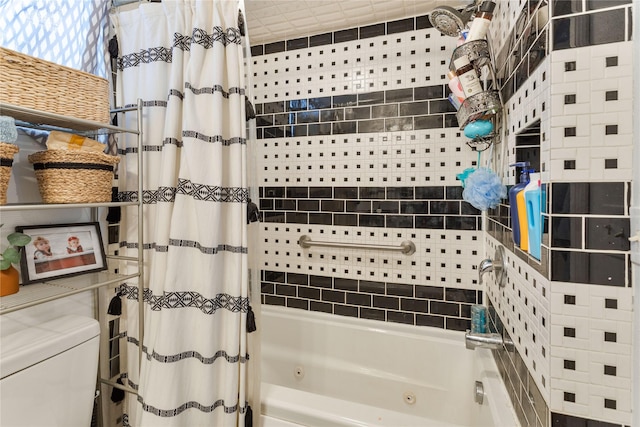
{"points": [[407, 247]]}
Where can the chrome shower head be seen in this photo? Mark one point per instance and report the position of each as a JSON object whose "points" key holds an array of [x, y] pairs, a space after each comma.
{"points": [[450, 21], [447, 20]]}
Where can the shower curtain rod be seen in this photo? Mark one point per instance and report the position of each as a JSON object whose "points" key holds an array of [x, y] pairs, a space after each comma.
{"points": [[407, 247]]}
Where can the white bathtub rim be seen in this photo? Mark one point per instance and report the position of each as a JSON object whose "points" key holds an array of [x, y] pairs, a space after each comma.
{"points": [[397, 329]]}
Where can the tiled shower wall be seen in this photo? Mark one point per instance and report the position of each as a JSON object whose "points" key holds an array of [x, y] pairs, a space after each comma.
{"points": [[358, 144], [570, 114]]}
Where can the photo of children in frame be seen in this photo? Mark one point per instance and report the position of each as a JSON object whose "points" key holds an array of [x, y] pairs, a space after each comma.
{"points": [[73, 245], [43, 248], [62, 250]]}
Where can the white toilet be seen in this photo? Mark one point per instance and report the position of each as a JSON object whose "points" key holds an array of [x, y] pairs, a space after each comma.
{"points": [[48, 374]]}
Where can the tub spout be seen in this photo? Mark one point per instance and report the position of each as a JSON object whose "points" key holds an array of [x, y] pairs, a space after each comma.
{"points": [[474, 340]]}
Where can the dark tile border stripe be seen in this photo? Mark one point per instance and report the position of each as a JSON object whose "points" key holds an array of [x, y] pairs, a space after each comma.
{"points": [[447, 308], [349, 34]]}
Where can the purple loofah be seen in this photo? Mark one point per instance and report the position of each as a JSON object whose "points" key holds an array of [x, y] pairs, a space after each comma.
{"points": [[483, 189]]}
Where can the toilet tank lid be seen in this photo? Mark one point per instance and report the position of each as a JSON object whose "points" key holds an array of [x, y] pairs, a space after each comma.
{"points": [[25, 348]]}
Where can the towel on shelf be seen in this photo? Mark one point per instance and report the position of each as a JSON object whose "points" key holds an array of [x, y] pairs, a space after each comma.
{"points": [[8, 131], [67, 141]]}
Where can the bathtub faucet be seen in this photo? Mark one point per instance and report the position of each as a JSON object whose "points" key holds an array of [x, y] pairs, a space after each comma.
{"points": [[497, 265], [473, 340], [485, 266]]}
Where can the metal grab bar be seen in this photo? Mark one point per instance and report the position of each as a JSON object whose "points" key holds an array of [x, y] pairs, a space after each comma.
{"points": [[407, 247]]}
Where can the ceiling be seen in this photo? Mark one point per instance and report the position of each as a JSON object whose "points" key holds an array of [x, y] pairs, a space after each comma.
{"points": [[274, 20]]}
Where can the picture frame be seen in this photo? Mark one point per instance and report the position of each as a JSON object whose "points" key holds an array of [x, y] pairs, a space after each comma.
{"points": [[61, 250]]}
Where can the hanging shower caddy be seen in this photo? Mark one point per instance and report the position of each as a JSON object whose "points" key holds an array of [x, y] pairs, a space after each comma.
{"points": [[486, 104]]}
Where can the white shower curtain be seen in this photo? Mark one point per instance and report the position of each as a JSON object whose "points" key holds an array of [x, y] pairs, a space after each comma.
{"points": [[183, 58]]}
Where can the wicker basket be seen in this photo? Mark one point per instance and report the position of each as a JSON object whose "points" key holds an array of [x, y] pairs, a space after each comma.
{"points": [[66, 176], [41, 85], [7, 151]]}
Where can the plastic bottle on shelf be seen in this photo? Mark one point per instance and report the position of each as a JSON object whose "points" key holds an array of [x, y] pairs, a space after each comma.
{"points": [[533, 200], [521, 207], [480, 23], [478, 318], [517, 216], [468, 76], [455, 86], [463, 37], [455, 101]]}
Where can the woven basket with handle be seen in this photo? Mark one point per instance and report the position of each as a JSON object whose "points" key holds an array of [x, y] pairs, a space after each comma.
{"points": [[7, 151], [74, 176]]}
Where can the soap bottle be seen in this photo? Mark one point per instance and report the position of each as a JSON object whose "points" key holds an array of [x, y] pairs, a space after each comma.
{"points": [[468, 76], [478, 319], [481, 21], [533, 200], [515, 213], [463, 37], [455, 101], [521, 207], [455, 86]]}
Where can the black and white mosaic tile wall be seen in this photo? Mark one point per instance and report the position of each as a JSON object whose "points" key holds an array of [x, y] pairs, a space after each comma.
{"points": [[570, 115], [358, 144]]}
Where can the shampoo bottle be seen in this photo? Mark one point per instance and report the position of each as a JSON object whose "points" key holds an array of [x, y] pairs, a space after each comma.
{"points": [[480, 23], [455, 86], [515, 213], [468, 76], [533, 200], [455, 101], [521, 208], [463, 36]]}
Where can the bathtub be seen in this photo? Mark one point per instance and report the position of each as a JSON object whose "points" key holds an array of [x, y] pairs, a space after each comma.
{"points": [[333, 371]]}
